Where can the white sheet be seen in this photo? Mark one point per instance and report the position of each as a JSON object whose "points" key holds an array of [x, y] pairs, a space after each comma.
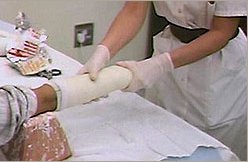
{"points": [[122, 126], [126, 127]]}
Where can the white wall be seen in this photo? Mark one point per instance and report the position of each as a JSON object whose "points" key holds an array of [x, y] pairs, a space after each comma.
{"points": [[59, 17]]}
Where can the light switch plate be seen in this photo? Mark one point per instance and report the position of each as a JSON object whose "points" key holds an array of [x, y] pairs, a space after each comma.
{"points": [[83, 34]]}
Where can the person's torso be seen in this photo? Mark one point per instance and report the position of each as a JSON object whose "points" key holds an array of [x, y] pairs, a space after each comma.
{"points": [[198, 14], [204, 92]]}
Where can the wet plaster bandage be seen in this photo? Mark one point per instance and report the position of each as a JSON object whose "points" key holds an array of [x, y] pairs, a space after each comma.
{"points": [[80, 89]]}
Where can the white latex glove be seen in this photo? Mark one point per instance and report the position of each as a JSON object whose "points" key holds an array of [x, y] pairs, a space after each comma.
{"points": [[147, 72], [96, 62]]}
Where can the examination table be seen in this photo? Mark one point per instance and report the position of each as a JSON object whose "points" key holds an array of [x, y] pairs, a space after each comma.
{"points": [[121, 126]]}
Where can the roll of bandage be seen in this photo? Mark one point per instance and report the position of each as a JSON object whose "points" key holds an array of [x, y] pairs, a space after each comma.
{"points": [[80, 89]]}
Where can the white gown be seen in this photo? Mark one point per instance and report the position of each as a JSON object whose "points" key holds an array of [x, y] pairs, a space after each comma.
{"points": [[210, 93]]}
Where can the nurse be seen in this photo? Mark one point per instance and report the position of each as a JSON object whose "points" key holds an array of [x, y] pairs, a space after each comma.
{"points": [[198, 68]]}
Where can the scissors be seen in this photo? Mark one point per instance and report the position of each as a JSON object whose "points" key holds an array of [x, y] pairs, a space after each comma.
{"points": [[49, 73]]}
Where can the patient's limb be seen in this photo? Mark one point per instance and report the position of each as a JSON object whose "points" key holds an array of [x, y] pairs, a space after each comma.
{"points": [[81, 89], [70, 91], [46, 99], [18, 103], [40, 137]]}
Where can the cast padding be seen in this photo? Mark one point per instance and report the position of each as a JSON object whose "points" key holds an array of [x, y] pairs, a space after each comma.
{"points": [[80, 89]]}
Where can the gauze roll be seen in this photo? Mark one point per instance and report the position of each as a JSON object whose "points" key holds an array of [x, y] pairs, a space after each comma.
{"points": [[80, 89]]}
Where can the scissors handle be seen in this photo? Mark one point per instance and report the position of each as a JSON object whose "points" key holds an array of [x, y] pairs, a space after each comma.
{"points": [[55, 72], [50, 73]]}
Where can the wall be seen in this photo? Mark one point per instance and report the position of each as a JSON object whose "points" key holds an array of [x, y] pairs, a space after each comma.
{"points": [[59, 17]]}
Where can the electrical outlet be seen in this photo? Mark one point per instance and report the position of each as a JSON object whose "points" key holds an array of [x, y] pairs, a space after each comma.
{"points": [[83, 35]]}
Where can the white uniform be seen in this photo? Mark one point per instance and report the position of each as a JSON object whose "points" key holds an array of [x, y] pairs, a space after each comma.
{"points": [[210, 93]]}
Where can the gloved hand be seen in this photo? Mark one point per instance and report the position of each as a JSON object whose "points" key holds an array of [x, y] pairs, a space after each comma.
{"points": [[96, 62], [147, 72]]}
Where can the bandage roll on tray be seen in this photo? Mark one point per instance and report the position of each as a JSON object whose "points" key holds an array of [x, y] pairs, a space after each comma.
{"points": [[80, 89]]}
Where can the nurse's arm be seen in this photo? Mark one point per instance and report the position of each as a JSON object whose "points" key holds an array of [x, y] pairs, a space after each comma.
{"points": [[222, 30], [125, 26]]}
